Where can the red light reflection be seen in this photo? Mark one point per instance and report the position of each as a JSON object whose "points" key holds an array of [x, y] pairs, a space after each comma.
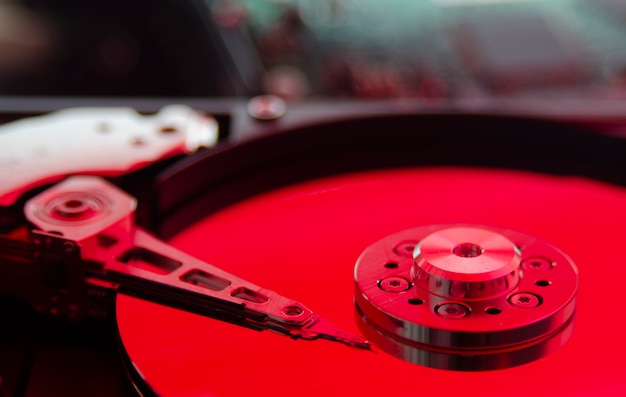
{"points": [[303, 241]]}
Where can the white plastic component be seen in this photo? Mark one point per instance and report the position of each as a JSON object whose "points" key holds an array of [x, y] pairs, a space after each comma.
{"points": [[94, 141]]}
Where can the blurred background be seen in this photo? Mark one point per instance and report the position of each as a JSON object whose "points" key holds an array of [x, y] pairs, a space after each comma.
{"points": [[434, 50]]}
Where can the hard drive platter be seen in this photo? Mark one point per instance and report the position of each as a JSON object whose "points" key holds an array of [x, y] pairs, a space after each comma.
{"points": [[304, 239]]}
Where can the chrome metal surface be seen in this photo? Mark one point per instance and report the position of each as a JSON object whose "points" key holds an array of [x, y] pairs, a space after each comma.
{"points": [[466, 263], [95, 141], [475, 297], [97, 218]]}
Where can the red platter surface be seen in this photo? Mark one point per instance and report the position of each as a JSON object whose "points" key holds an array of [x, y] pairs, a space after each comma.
{"points": [[302, 241]]}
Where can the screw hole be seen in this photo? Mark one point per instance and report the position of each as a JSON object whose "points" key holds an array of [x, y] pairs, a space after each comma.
{"points": [[493, 310], [168, 129], [391, 265], [525, 300], [467, 250], [293, 311], [73, 203], [415, 301], [543, 283], [452, 311], [405, 249], [537, 264]]}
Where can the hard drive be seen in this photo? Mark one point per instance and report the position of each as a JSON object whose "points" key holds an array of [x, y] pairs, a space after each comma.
{"points": [[453, 250]]}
